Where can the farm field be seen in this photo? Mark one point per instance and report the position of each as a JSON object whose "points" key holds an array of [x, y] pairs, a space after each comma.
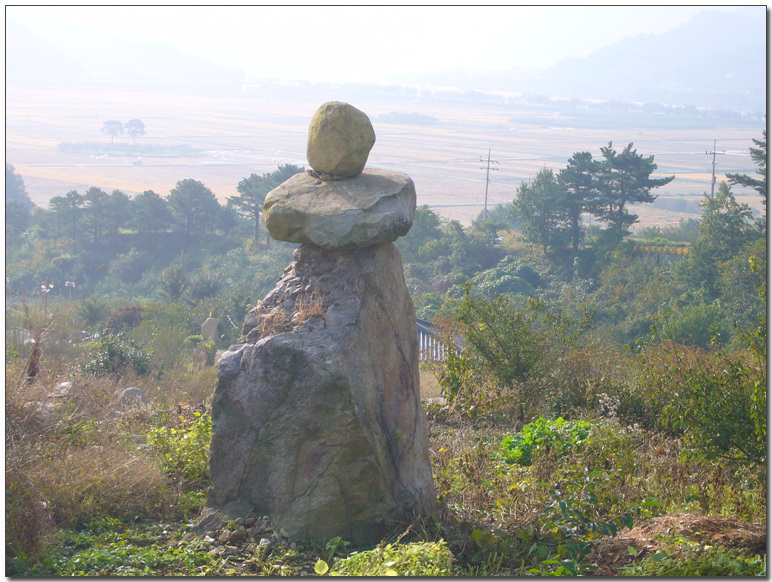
{"points": [[257, 132]]}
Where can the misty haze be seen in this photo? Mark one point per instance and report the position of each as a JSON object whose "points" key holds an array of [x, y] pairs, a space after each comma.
{"points": [[585, 265]]}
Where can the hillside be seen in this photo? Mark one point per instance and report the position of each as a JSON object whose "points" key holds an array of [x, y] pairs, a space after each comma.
{"points": [[689, 65]]}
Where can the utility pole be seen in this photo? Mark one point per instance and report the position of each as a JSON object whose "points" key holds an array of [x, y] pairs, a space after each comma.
{"points": [[713, 177], [487, 180]]}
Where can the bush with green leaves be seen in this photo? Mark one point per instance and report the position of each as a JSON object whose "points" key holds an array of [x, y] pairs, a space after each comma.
{"points": [[412, 559], [710, 399], [124, 317], [184, 451], [114, 354], [560, 436], [697, 325], [92, 311], [110, 547], [696, 559]]}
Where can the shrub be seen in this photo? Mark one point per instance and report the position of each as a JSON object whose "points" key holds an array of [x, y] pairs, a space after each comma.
{"points": [[455, 376], [695, 559], [183, 455], [26, 519], [130, 266], [124, 317], [174, 282], [204, 285], [92, 311], [559, 435], [413, 559], [710, 399], [112, 354], [697, 325], [184, 451]]}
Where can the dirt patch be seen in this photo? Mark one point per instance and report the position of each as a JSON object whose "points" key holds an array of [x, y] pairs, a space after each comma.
{"points": [[430, 388], [646, 538]]}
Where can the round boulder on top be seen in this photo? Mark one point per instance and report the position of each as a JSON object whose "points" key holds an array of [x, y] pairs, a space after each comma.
{"points": [[340, 138]]}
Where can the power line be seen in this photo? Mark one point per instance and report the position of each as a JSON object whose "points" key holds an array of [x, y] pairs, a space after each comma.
{"points": [[487, 181], [713, 177]]}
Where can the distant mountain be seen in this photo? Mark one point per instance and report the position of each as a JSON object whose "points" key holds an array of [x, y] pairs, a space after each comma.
{"points": [[715, 60], [102, 61]]}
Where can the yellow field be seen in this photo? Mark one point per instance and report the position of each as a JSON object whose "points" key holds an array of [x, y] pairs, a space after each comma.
{"points": [[240, 136]]}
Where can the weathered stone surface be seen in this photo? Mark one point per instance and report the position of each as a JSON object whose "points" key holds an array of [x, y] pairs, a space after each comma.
{"points": [[340, 138], [316, 417], [63, 390], [375, 207], [132, 398], [209, 329]]}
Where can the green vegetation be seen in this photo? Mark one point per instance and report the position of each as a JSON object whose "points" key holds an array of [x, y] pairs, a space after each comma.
{"points": [[582, 396], [685, 558], [551, 207], [559, 435]]}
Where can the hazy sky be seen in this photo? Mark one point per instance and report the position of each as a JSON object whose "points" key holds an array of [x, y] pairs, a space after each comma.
{"points": [[364, 43]]}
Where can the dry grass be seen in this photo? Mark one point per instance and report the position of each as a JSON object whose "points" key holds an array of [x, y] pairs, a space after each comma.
{"points": [[70, 458], [430, 388], [105, 479], [277, 320], [308, 306]]}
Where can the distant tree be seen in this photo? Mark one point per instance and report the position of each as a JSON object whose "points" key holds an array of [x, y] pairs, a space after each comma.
{"points": [[193, 205], [117, 207], [427, 226], [253, 190], [621, 179], [726, 226], [489, 223], [68, 211], [725, 229], [759, 157], [174, 282], [577, 180], [150, 215], [542, 211], [284, 172], [226, 220], [15, 189], [95, 212], [468, 253], [112, 128], [17, 219], [135, 127]]}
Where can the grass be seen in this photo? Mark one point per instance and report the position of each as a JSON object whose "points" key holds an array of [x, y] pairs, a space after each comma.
{"points": [[95, 490]]}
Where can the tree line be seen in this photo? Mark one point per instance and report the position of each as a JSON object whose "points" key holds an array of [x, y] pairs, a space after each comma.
{"points": [[83, 235], [98, 217], [550, 208], [133, 127]]}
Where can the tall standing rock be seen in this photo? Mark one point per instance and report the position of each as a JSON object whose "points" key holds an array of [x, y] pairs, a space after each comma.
{"points": [[317, 420]]}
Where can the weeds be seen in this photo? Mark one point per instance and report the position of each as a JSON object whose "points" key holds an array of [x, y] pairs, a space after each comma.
{"points": [[412, 559], [558, 435], [682, 557]]}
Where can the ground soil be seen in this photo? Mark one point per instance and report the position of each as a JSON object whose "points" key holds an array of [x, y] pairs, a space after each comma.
{"points": [[646, 538]]}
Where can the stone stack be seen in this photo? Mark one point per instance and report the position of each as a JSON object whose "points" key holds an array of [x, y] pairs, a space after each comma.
{"points": [[317, 420]]}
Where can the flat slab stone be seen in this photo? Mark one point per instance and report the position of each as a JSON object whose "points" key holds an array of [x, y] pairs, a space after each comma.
{"points": [[374, 207]]}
